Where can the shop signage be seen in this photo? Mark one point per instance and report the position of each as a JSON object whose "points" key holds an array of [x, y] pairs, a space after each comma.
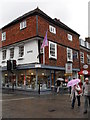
{"points": [[37, 65], [85, 72], [68, 67], [85, 66], [30, 51]]}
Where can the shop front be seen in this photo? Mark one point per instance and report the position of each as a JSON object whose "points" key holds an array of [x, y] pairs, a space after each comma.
{"points": [[30, 76]]}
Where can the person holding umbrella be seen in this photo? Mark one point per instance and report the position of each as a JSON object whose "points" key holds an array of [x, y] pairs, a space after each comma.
{"points": [[75, 91]]}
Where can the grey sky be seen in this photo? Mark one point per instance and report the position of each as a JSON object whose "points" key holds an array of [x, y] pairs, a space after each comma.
{"points": [[73, 13]]}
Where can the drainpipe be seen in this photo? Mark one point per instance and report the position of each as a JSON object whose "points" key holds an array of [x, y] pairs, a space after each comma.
{"points": [[38, 40]]}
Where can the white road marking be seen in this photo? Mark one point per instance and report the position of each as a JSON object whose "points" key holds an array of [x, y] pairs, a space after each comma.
{"points": [[16, 99]]}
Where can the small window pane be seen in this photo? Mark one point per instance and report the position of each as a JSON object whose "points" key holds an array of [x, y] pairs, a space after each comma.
{"points": [[21, 51]]}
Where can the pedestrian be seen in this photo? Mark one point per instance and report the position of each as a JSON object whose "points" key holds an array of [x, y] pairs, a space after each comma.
{"points": [[75, 93], [58, 85], [86, 92]]}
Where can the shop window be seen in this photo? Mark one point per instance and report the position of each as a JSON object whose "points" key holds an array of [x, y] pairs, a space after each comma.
{"points": [[11, 52], [52, 50], [82, 57], [69, 55]]}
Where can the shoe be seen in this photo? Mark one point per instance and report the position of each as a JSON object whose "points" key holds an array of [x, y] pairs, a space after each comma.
{"points": [[72, 107], [85, 112]]}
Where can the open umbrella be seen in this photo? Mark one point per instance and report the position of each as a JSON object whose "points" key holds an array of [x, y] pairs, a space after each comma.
{"points": [[60, 79], [73, 82]]}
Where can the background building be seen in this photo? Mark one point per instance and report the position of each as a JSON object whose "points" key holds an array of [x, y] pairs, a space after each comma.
{"points": [[85, 57]]}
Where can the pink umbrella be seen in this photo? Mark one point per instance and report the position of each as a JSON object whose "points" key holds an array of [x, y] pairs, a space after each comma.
{"points": [[73, 82]]}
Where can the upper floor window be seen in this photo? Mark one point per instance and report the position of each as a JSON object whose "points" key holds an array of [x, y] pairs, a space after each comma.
{"points": [[82, 42], [69, 55], [82, 57], [75, 55], [3, 36], [23, 25], [52, 50], [52, 29], [11, 52], [21, 51], [3, 54], [69, 37], [87, 45], [88, 59]]}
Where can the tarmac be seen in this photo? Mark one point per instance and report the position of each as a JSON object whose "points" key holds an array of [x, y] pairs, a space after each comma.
{"points": [[49, 105]]}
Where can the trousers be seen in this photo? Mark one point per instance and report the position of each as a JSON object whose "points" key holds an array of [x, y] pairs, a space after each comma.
{"points": [[86, 102], [74, 99]]}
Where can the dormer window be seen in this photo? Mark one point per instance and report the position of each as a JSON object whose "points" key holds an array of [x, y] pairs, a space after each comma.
{"points": [[23, 25], [82, 42], [3, 36], [52, 29], [69, 37]]}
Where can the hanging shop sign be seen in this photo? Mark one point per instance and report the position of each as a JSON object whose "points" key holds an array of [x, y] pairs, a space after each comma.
{"points": [[84, 72], [68, 68], [85, 66]]}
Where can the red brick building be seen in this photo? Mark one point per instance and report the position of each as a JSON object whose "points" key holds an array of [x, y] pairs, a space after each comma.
{"points": [[21, 41], [85, 57]]}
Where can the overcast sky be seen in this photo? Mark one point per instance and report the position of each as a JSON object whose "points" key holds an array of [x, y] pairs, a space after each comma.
{"points": [[73, 13]]}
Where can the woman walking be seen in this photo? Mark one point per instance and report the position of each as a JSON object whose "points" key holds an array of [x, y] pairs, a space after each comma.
{"points": [[75, 92]]}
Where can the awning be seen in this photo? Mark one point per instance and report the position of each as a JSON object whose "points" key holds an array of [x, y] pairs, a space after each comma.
{"points": [[84, 72]]}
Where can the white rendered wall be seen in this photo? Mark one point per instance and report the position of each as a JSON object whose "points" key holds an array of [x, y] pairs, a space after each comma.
{"points": [[30, 53]]}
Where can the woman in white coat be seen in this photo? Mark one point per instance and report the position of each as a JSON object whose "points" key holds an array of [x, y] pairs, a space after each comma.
{"points": [[75, 93]]}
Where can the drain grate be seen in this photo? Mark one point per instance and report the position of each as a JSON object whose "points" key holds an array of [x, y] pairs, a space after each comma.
{"points": [[52, 110]]}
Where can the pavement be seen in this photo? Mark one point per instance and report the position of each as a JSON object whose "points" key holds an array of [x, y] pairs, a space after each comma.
{"points": [[41, 106]]}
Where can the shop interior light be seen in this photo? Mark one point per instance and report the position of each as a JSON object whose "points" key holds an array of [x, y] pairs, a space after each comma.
{"points": [[42, 73], [6, 75], [21, 74], [31, 73]]}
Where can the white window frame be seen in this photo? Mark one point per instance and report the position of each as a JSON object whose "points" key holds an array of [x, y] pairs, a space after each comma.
{"points": [[75, 54], [50, 55], [88, 59], [20, 52], [82, 57], [69, 37], [3, 36], [11, 53], [82, 42], [23, 25], [69, 51], [52, 29], [4, 54]]}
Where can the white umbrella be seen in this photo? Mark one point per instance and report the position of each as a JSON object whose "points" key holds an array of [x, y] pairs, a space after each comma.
{"points": [[60, 79]]}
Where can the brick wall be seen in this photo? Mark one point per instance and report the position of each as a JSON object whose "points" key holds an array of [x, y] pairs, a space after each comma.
{"points": [[85, 59], [62, 43], [14, 34]]}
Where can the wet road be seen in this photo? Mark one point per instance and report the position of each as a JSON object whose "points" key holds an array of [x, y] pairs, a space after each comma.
{"points": [[43, 106]]}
